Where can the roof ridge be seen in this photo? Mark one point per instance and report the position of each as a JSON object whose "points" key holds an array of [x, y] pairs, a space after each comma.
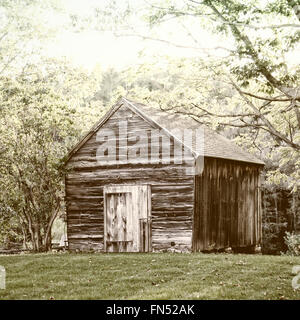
{"points": [[251, 158], [215, 144], [169, 133]]}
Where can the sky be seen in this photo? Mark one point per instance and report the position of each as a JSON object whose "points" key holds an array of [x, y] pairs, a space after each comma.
{"points": [[92, 48]]}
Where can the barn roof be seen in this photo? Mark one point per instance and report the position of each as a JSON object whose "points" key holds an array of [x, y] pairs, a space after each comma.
{"points": [[215, 145]]}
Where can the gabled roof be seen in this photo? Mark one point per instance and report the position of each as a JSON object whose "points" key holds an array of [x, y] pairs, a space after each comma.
{"points": [[215, 145]]}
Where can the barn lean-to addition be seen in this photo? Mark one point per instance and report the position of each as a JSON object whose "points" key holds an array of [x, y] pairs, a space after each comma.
{"points": [[143, 180]]}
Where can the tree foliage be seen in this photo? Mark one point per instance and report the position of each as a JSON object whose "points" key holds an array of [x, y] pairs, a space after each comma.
{"points": [[35, 132], [42, 114]]}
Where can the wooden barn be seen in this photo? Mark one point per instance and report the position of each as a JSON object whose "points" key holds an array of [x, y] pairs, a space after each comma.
{"points": [[143, 179]]}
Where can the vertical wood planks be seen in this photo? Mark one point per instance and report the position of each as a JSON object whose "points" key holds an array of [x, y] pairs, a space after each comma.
{"points": [[126, 218], [227, 205]]}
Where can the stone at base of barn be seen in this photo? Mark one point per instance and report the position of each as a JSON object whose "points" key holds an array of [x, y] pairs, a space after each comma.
{"points": [[228, 250], [174, 249]]}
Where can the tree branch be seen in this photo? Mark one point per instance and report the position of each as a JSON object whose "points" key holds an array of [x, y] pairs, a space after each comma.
{"points": [[270, 127], [269, 99], [144, 37]]}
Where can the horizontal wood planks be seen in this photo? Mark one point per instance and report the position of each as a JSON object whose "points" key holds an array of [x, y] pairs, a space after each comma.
{"points": [[172, 188]]}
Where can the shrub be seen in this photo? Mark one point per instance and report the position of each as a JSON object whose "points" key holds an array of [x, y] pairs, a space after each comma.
{"points": [[273, 241], [293, 243]]}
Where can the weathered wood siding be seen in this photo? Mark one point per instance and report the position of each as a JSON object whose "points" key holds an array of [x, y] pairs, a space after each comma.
{"points": [[172, 190], [127, 218], [227, 205]]}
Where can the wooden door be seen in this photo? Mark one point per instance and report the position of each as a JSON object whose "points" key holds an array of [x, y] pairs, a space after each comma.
{"points": [[127, 218]]}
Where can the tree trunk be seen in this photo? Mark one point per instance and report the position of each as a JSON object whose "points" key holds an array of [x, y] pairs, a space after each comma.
{"points": [[47, 242], [32, 237], [276, 210], [37, 238], [48, 238], [24, 238]]}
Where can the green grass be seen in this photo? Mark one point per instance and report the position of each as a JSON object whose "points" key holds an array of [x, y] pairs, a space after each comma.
{"points": [[148, 276]]}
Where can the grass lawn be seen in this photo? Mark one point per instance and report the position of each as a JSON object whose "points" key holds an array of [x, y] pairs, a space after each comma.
{"points": [[148, 276]]}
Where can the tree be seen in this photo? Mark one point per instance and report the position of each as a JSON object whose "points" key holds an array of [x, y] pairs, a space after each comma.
{"points": [[42, 114], [36, 129], [255, 57], [21, 36]]}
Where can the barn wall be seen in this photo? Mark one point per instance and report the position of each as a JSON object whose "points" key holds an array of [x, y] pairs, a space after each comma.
{"points": [[171, 187], [227, 205]]}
